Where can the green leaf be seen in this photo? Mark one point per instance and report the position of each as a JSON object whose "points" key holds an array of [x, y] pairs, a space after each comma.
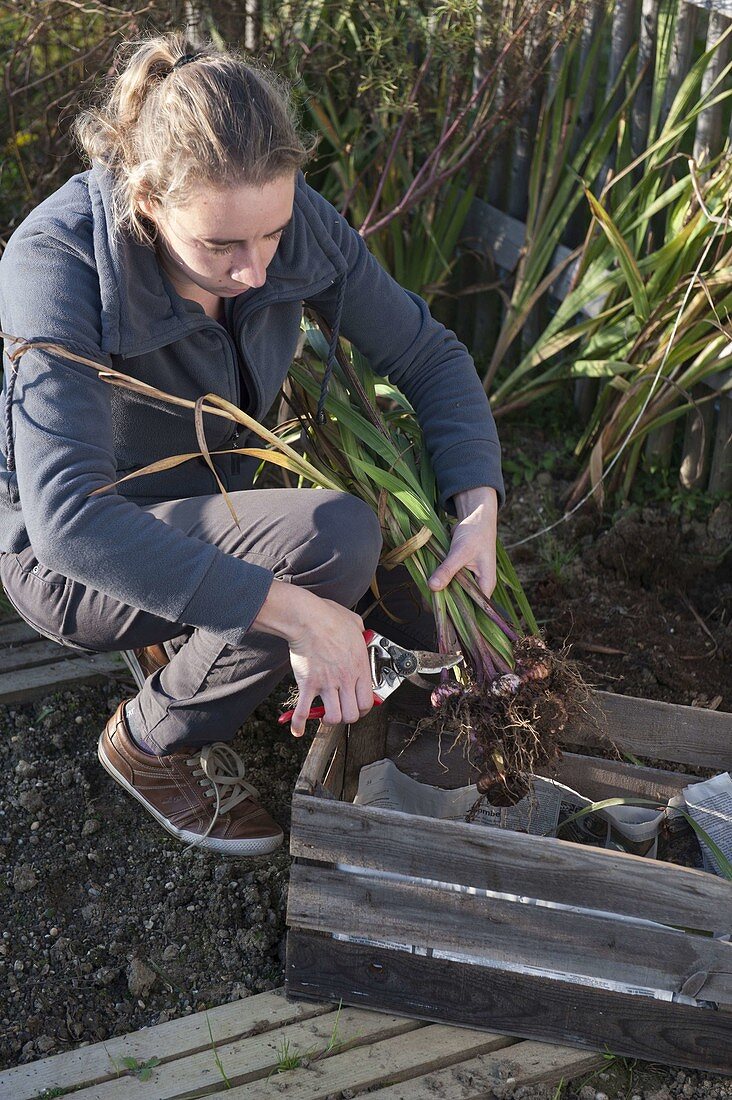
{"points": [[624, 256]]}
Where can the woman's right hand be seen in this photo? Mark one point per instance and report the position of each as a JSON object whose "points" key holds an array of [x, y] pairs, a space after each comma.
{"points": [[328, 653]]}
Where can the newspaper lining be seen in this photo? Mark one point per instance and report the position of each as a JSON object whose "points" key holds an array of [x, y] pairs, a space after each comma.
{"points": [[541, 813], [710, 804]]}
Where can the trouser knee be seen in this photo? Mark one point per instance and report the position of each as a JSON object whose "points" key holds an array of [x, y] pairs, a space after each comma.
{"points": [[348, 544]]}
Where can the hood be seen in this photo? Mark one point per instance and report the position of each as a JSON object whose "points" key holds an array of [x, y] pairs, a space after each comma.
{"points": [[140, 308]]}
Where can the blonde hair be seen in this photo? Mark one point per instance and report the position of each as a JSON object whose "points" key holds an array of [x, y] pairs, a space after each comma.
{"points": [[218, 120]]}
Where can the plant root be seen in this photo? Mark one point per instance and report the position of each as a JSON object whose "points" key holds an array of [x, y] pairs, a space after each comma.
{"points": [[513, 725]]}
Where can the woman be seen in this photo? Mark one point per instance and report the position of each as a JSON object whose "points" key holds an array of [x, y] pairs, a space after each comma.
{"points": [[183, 257]]}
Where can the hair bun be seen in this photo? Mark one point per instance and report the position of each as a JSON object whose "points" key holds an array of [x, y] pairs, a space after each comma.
{"points": [[185, 58]]}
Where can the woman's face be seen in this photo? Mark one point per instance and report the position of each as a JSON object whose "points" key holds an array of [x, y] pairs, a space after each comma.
{"points": [[223, 240]]}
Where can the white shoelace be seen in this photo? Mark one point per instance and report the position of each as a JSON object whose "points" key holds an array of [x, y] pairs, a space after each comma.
{"points": [[222, 770]]}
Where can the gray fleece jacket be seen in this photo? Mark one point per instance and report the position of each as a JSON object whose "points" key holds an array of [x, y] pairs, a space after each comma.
{"points": [[64, 433]]}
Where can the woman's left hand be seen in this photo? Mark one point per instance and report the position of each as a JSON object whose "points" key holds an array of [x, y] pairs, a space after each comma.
{"points": [[473, 543]]}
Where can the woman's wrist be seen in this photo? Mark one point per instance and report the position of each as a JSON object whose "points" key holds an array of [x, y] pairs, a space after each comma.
{"points": [[470, 500], [285, 611]]}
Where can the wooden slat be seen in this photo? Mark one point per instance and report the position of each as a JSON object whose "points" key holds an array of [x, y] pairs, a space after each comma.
{"points": [[96, 1063], [508, 933], [319, 757], [38, 652], [509, 862], [333, 780], [249, 1060], [15, 631], [20, 686], [366, 743], [662, 731], [527, 1063], [622, 36], [396, 1059], [425, 760], [597, 779], [498, 235], [518, 1004]]}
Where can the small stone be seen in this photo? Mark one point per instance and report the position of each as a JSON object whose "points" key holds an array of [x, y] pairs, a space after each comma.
{"points": [[31, 801], [688, 1089], [140, 978], [53, 931], [44, 1044], [18, 966], [25, 770], [35, 826], [79, 720], [24, 878], [587, 1093], [170, 886], [90, 827], [171, 952], [601, 1096]]}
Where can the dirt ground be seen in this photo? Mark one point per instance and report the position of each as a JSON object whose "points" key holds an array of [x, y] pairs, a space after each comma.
{"points": [[110, 927]]}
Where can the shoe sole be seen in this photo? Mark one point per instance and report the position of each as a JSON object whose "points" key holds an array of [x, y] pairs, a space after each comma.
{"points": [[262, 846]]}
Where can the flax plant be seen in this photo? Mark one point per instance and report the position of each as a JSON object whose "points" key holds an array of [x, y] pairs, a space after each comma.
{"points": [[513, 698], [629, 317], [668, 337]]}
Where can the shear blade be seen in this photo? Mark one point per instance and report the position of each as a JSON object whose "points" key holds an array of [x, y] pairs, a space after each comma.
{"points": [[436, 662]]}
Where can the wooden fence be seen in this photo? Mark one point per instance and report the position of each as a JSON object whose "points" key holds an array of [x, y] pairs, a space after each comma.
{"points": [[496, 231]]}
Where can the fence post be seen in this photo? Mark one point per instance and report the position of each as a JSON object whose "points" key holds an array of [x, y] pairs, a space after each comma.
{"points": [[681, 53], [720, 477], [708, 139], [697, 441], [641, 110]]}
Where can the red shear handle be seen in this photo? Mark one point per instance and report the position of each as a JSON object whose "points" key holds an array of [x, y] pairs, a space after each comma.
{"points": [[315, 712]]}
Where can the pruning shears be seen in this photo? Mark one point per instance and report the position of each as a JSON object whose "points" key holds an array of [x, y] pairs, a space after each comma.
{"points": [[391, 665]]}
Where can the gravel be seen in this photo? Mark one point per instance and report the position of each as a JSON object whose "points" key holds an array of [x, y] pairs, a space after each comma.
{"points": [[108, 925]]}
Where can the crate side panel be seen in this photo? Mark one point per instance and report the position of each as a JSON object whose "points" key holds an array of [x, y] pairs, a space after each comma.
{"points": [[508, 933], [428, 760], [662, 731], [504, 1001], [509, 862]]}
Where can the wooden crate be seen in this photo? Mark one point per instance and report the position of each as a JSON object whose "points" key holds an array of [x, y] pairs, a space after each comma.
{"points": [[379, 876]]}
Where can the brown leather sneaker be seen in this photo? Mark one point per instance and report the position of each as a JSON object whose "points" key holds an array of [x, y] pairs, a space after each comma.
{"points": [[144, 661], [151, 658], [199, 795]]}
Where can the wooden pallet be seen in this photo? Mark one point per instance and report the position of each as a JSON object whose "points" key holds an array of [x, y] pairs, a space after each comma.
{"points": [[245, 1043], [31, 665]]}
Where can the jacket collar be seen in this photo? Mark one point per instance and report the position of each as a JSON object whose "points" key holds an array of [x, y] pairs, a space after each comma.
{"points": [[142, 311]]}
